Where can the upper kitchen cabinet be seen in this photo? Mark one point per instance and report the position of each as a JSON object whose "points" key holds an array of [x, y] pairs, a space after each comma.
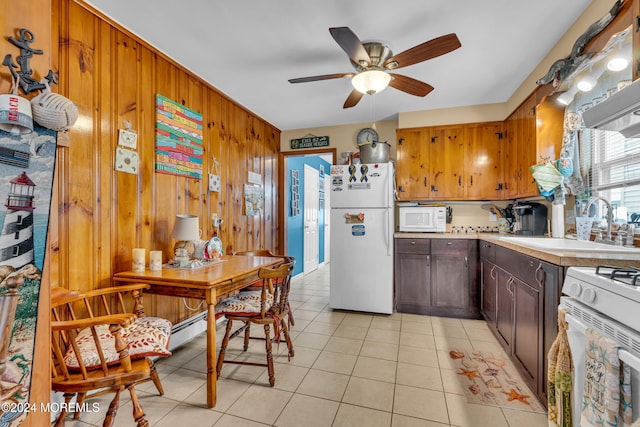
{"points": [[430, 163], [459, 162], [446, 155], [533, 133], [412, 164], [483, 170]]}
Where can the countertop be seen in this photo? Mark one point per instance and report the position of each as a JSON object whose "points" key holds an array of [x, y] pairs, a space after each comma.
{"points": [[553, 256]]}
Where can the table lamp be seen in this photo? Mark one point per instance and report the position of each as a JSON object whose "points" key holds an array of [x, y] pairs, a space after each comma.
{"points": [[186, 230]]}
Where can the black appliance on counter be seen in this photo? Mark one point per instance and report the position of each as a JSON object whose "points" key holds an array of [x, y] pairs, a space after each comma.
{"points": [[531, 219]]}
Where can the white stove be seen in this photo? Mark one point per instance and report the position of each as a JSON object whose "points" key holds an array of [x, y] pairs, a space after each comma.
{"points": [[607, 300], [612, 291]]}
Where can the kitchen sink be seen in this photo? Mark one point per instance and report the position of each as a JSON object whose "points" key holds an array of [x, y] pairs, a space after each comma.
{"points": [[555, 244]]}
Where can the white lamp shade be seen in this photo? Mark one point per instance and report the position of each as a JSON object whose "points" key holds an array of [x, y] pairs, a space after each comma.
{"points": [[371, 81], [186, 227]]}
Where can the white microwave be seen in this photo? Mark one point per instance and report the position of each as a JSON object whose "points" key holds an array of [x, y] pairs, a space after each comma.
{"points": [[427, 219]]}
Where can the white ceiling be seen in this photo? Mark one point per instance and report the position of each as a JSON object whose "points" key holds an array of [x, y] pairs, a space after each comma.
{"points": [[248, 49]]}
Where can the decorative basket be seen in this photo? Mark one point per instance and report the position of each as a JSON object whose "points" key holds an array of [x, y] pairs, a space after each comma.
{"points": [[53, 111]]}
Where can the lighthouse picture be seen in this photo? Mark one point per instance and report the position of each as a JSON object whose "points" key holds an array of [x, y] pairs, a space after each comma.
{"points": [[16, 240], [26, 182]]}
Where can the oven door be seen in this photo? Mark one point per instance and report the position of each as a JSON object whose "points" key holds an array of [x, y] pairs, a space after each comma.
{"points": [[579, 318]]}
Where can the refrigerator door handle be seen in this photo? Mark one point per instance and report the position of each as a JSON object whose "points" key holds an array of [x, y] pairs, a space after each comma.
{"points": [[387, 233]]}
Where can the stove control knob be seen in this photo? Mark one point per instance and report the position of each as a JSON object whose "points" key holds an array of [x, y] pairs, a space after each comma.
{"points": [[575, 289], [589, 296]]}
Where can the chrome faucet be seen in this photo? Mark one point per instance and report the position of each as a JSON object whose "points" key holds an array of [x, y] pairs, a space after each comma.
{"points": [[609, 217]]}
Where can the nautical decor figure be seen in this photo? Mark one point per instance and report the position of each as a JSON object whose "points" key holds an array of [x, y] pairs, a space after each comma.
{"points": [[16, 240]]}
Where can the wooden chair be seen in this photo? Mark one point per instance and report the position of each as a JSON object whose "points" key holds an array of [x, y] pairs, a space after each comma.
{"points": [[265, 252], [99, 346], [267, 306]]}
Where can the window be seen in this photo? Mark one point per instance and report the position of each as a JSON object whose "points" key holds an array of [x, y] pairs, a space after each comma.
{"points": [[614, 172]]}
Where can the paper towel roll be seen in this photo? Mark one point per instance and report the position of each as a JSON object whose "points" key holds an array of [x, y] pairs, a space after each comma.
{"points": [[557, 220]]}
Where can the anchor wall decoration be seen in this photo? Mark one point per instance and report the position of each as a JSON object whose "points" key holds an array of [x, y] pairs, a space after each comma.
{"points": [[23, 76]]}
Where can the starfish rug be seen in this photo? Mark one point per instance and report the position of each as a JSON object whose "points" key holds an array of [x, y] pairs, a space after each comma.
{"points": [[491, 379]]}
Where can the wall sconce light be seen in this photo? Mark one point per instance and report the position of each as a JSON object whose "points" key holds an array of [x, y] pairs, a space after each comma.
{"points": [[586, 83], [371, 81], [620, 60], [186, 230], [565, 98]]}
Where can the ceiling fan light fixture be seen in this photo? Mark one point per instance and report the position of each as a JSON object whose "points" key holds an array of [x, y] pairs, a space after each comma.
{"points": [[370, 82]]}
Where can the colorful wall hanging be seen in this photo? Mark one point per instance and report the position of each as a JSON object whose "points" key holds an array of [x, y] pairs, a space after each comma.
{"points": [[25, 191], [253, 200], [178, 139]]}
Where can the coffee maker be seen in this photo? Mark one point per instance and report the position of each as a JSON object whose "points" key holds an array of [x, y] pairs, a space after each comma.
{"points": [[531, 219]]}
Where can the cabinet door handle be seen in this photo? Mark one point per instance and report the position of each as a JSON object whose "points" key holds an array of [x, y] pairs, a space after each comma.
{"points": [[428, 260], [491, 273], [449, 243], [425, 181], [471, 181], [459, 181], [509, 283], [413, 243], [466, 262], [538, 270]]}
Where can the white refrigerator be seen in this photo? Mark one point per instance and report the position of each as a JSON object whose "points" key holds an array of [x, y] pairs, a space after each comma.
{"points": [[362, 226]]}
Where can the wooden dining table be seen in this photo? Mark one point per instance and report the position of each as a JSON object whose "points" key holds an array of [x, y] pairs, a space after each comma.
{"points": [[210, 282]]}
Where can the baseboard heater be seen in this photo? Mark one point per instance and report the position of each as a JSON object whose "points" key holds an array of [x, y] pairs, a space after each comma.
{"points": [[185, 331]]}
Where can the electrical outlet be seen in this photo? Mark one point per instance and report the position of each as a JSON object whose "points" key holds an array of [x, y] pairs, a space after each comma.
{"points": [[214, 183]]}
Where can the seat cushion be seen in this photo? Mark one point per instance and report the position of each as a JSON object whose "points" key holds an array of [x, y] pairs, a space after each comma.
{"points": [[147, 336], [244, 303]]}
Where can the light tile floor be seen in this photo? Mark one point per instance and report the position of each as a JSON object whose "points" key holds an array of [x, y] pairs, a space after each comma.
{"points": [[349, 369]]}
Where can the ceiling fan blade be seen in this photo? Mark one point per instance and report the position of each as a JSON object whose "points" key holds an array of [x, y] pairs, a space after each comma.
{"points": [[410, 85], [422, 52], [351, 44], [322, 77], [353, 98]]}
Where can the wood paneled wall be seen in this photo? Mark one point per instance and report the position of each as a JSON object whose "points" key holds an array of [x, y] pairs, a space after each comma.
{"points": [[34, 15], [113, 77]]}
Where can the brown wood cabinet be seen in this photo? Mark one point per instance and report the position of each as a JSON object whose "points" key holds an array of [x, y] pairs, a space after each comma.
{"points": [[413, 275], [461, 162], [488, 282], [533, 133], [437, 277], [520, 295], [446, 160], [483, 167], [412, 151]]}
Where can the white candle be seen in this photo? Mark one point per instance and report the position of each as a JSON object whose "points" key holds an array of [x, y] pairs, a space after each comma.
{"points": [[155, 260], [138, 259]]}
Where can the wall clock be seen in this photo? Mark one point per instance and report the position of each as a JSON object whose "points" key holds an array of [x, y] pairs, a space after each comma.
{"points": [[366, 136]]}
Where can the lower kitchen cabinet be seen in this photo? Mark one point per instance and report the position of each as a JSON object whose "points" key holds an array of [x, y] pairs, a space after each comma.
{"points": [[412, 272], [437, 277], [504, 307], [527, 330], [488, 282], [526, 298]]}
